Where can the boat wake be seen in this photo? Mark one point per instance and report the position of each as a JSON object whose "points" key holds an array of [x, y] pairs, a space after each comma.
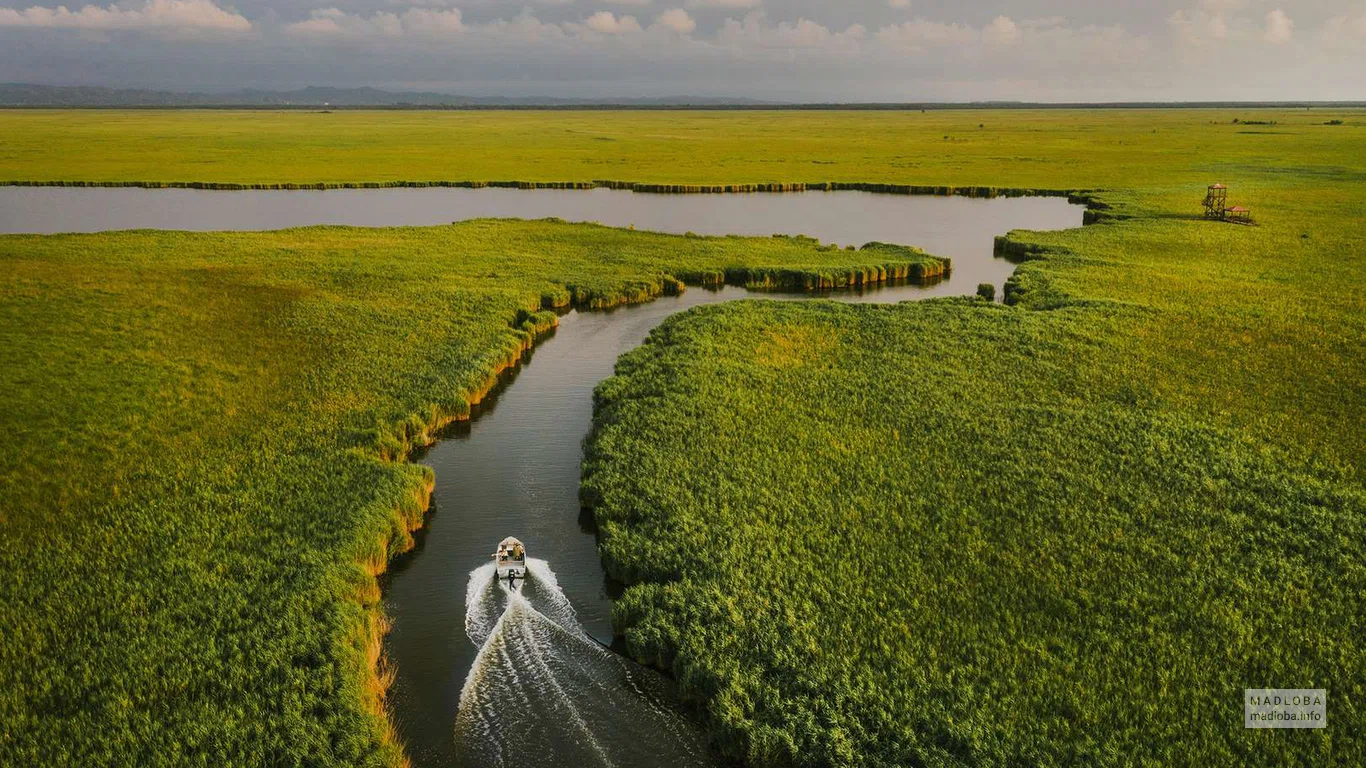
{"points": [[543, 692]]}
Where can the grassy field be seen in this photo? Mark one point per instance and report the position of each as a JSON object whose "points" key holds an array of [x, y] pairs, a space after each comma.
{"points": [[1035, 149], [203, 437], [202, 470], [1066, 532]]}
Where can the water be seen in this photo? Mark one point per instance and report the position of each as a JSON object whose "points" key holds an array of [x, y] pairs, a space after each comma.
{"points": [[514, 471], [956, 227], [489, 677], [541, 691]]}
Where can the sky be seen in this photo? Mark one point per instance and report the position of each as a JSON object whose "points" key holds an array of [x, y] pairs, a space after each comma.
{"points": [[782, 50]]}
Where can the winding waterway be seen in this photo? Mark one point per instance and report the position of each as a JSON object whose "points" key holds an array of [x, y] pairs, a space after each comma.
{"points": [[537, 687], [957, 227]]}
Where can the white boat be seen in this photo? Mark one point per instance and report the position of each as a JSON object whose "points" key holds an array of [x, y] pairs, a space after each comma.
{"points": [[510, 559]]}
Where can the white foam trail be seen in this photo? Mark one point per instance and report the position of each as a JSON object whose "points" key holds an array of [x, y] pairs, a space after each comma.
{"points": [[549, 599], [480, 613], [542, 692]]}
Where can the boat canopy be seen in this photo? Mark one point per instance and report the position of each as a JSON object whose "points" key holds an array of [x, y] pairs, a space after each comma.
{"points": [[511, 550]]}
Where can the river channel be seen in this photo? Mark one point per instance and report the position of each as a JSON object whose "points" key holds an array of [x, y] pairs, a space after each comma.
{"points": [[537, 684]]}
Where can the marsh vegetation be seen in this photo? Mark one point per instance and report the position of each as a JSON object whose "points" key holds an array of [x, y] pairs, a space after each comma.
{"points": [[1144, 473], [204, 469]]}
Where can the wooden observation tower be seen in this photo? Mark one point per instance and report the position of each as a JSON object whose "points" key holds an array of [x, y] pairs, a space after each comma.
{"points": [[1217, 207], [1216, 200]]}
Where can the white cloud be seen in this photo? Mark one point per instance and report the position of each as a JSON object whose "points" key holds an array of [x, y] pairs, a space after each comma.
{"points": [[755, 31], [1197, 26], [678, 20], [1047, 45], [1042, 56], [1214, 21], [1207, 21], [1218, 27], [436, 25], [163, 15], [324, 21], [523, 28], [604, 22], [1048, 22], [1279, 27], [434, 21], [918, 34], [1001, 31], [1102, 47], [740, 4], [914, 49], [417, 22]]}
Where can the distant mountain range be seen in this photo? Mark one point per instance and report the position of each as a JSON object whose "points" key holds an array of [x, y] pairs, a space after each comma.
{"points": [[318, 97], [27, 95]]}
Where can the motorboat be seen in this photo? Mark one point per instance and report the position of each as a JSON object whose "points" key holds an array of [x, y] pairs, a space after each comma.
{"points": [[510, 559]]}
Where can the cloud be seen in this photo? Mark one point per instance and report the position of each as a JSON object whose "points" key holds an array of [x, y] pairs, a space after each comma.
{"points": [[755, 31], [1344, 30], [919, 34], [523, 28], [793, 49], [604, 22], [334, 23], [435, 25], [1001, 31], [161, 15], [1047, 45], [1205, 22], [1106, 48], [1215, 21], [1048, 22], [1197, 26], [736, 4], [1279, 27], [433, 21], [678, 20]]}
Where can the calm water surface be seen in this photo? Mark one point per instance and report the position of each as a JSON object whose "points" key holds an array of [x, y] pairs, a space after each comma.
{"points": [[538, 689], [958, 227]]}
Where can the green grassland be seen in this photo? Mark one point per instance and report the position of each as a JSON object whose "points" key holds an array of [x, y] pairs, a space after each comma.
{"points": [[955, 534], [1065, 532], [204, 438], [1032, 149], [202, 470]]}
